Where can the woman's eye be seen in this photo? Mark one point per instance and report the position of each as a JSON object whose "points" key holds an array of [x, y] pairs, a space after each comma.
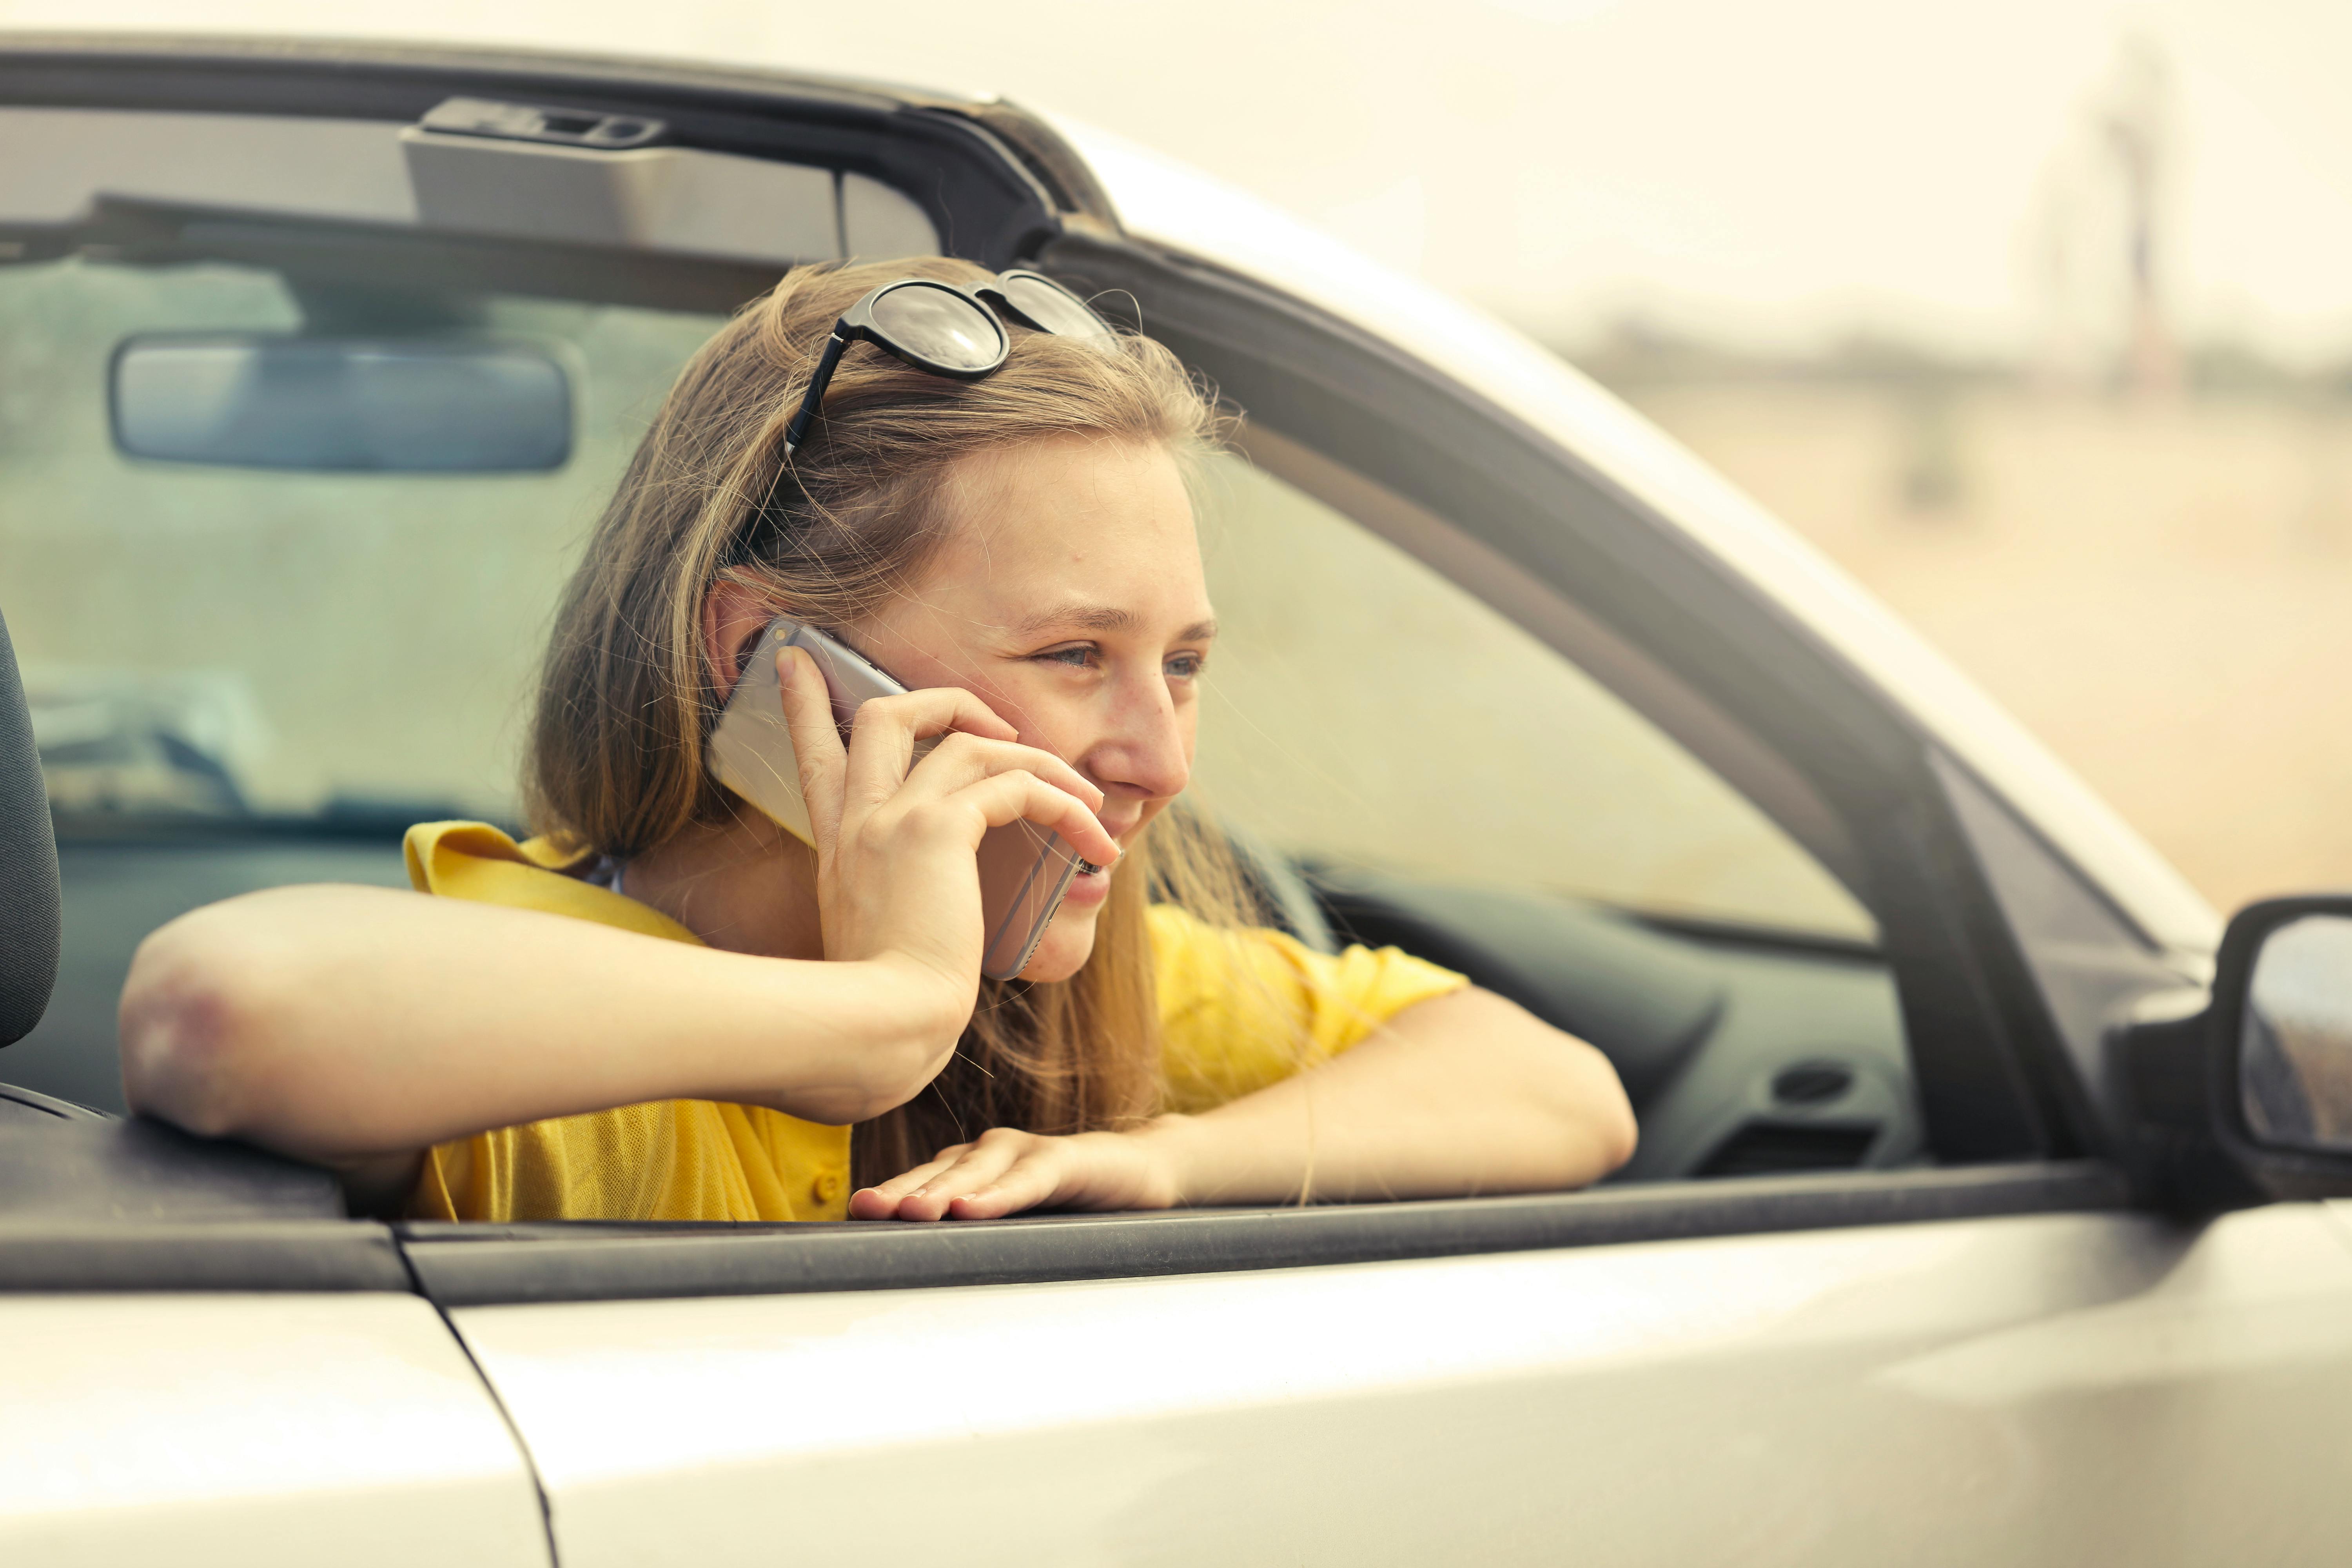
{"points": [[1078, 658], [1185, 666]]}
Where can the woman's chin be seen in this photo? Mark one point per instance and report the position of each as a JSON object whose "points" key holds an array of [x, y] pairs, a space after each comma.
{"points": [[1065, 948]]}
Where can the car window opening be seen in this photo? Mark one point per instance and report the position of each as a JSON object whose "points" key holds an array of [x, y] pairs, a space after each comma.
{"points": [[255, 767]]}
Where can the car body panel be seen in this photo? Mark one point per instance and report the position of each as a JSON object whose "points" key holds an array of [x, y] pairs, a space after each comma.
{"points": [[254, 1430], [2045, 1389]]}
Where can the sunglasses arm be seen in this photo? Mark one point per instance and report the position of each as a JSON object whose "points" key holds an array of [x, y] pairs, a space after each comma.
{"points": [[794, 433]]}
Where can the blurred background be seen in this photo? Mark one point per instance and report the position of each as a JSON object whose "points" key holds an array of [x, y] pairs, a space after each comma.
{"points": [[2035, 314]]}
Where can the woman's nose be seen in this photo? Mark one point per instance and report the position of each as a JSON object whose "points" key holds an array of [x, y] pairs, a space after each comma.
{"points": [[1144, 746]]}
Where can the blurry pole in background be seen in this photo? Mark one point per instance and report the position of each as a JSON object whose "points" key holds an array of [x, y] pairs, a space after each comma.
{"points": [[2139, 125], [2101, 235]]}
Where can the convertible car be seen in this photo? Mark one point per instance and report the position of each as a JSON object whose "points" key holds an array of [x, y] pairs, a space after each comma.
{"points": [[1986, 1204]]}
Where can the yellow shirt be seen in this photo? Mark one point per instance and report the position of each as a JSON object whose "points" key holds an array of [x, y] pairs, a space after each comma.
{"points": [[1232, 1005]]}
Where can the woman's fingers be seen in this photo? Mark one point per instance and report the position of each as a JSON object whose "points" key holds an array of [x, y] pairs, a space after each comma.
{"points": [[961, 760], [882, 1202], [816, 743], [883, 733], [926, 1193], [1024, 797], [889, 838], [900, 1185], [1028, 1182], [979, 747], [1005, 1170]]}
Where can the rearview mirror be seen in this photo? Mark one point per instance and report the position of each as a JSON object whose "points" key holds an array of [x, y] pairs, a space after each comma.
{"points": [[379, 405]]}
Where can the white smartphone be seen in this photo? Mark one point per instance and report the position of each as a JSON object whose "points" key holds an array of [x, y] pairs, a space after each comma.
{"points": [[1024, 869]]}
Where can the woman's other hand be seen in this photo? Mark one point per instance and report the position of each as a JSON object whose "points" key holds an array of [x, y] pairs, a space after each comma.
{"points": [[1005, 1172], [1465, 1093]]}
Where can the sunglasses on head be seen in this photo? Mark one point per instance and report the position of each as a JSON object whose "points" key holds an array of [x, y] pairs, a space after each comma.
{"points": [[947, 329]]}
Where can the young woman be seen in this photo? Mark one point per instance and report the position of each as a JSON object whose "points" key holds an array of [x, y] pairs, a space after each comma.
{"points": [[669, 1007]]}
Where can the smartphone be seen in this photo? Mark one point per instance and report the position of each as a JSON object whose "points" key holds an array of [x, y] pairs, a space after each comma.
{"points": [[1024, 869]]}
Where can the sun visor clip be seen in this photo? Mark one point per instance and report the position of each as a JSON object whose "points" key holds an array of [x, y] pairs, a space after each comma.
{"points": [[530, 122]]}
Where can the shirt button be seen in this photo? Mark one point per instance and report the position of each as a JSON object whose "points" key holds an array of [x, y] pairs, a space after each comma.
{"points": [[826, 1187]]}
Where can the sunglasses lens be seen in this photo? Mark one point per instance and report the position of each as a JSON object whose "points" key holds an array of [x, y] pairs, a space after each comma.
{"points": [[940, 326], [1053, 307]]}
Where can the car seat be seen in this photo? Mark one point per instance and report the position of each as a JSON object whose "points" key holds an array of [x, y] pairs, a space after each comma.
{"points": [[29, 907]]}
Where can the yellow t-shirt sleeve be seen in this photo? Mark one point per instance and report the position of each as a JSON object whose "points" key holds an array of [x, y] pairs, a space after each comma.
{"points": [[669, 1160], [1242, 1009], [474, 860]]}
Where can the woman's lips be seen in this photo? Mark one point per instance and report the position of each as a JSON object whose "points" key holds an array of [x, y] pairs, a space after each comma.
{"points": [[1090, 886]]}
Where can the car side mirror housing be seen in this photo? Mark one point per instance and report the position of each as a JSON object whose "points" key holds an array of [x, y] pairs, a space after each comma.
{"points": [[2248, 1099]]}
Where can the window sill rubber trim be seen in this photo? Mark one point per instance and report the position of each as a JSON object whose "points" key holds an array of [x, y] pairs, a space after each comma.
{"points": [[271, 1256], [489, 1265]]}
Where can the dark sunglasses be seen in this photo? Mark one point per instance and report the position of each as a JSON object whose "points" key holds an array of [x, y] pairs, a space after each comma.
{"points": [[948, 329]]}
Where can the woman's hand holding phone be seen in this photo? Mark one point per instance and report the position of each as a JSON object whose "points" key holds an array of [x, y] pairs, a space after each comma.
{"points": [[897, 883]]}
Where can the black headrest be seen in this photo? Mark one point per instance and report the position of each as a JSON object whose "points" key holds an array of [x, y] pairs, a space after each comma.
{"points": [[28, 865]]}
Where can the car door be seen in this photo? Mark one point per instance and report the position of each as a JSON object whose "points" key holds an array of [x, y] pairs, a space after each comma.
{"points": [[2058, 1388], [160, 1425], [207, 1364]]}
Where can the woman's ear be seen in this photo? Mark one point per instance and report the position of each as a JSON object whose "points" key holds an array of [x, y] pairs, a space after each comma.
{"points": [[732, 617]]}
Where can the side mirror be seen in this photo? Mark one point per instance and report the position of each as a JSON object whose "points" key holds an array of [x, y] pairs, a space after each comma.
{"points": [[2294, 1029], [2250, 1099]]}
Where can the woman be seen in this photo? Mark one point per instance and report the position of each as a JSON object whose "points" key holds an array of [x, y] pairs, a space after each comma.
{"points": [[667, 1006]]}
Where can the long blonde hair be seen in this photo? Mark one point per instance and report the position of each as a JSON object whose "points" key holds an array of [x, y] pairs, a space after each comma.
{"points": [[628, 697]]}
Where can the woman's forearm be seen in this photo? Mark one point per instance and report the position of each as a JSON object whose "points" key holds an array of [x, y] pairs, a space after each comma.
{"points": [[274, 1018], [1461, 1095], [1465, 1094]]}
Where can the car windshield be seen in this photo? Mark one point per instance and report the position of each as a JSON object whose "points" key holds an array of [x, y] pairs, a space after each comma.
{"points": [[211, 646]]}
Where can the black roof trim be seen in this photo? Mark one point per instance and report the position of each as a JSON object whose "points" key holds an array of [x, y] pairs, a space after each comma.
{"points": [[379, 78], [1014, 180], [474, 1264], [1055, 162]]}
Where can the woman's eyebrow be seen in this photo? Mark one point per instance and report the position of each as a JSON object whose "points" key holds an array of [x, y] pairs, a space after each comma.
{"points": [[1087, 617], [1079, 617]]}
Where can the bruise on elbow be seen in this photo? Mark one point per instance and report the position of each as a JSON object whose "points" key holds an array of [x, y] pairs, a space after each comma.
{"points": [[190, 1019]]}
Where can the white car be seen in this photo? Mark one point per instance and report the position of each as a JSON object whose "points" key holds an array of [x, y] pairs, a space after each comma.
{"points": [[1977, 1217]]}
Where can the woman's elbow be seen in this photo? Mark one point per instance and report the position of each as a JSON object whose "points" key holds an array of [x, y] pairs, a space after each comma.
{"points": [[193, 1026]]}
